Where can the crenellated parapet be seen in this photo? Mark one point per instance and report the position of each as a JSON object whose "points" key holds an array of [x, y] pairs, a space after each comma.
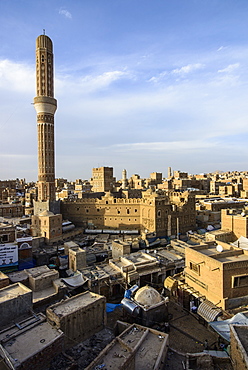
{"points": [[152, 213]]}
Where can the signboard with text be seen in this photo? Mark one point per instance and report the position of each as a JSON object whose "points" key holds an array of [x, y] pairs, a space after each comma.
{"points": [[8, 256]]}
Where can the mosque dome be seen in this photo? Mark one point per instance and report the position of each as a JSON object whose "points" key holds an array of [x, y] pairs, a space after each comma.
{"points": [[147, 296]]}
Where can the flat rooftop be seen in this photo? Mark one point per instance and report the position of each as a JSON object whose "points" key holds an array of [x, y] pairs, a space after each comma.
{"points": [[44, 293], [39, 271], [13, 291], [95, 273], [135, 342], [140, 258], [3, 276], [219, 232], [145, 358], [211, 250], [115, 356], [109, 270], [101, 272], [6, 226], [27, 343], [73, 304], [132, 336], [236, 258], [221, 200], [14, 330], [18, 276], [169, 255], [228, 254], [137, 260]]}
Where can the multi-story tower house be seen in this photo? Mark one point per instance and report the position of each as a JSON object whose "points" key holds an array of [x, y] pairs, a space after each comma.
{"points": [[102, 179], [45, 106]]}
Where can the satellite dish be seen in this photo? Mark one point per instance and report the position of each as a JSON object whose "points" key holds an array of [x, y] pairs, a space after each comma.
{"points": [[219, 248], [243, 214]]}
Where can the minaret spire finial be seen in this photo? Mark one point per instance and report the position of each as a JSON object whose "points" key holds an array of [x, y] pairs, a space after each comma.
{"points": [[44, 31]]}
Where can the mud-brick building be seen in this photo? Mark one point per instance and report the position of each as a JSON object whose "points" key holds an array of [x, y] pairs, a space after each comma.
{"points": [[11, 210], [30, 344], [48, 225], [102, 179], [218, 273], [164, 214], [239, 346], [137, 347], [7, 233], [235, 221], [78, 317], [15, 301]]}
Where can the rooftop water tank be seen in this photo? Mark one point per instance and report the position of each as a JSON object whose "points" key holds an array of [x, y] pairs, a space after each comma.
{"points": [[131, 307]]}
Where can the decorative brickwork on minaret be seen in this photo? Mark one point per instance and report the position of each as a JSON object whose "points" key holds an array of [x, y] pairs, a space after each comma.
{"points": [[45, 106]]}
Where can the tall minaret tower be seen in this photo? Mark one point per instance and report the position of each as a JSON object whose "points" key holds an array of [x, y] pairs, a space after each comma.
{"points": [[124, 179], [45, 106]]}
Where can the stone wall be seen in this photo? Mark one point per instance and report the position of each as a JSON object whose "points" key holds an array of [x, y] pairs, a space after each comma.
{"points": [[162, 214], [238, 353], [4, 280], [120, 248], [235, 223], [15, 301]]}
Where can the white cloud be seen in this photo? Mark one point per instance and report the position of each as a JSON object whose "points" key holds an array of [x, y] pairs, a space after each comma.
{"points": [[222, 48], [89, 83], [178, 120], [65, 13], [159, 78], [104, 79], [178, 71], [226, 81], [188, 68], [230, 68], [167, 146], [16, 76]]}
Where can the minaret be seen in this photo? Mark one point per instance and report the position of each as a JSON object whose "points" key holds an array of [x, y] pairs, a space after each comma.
{"points": [[45, 106], [124, 179]]}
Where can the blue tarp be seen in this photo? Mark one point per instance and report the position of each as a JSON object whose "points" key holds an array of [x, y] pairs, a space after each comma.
{"points": [[25, 264], [110, 307]]}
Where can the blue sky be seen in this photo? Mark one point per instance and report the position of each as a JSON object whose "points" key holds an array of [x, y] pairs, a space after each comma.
{"points": [[140, 85]]}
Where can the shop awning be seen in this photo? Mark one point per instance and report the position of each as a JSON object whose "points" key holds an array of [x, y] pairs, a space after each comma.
{"points": [[242, 242], [75, 281], [209, 311]]}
